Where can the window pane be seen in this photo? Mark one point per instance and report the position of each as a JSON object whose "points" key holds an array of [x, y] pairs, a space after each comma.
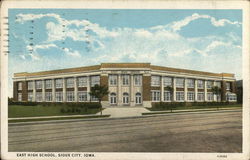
{"points": [[155, 80]]}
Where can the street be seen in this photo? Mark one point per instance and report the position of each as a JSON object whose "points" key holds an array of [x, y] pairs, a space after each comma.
{"points": [[219, 131]]}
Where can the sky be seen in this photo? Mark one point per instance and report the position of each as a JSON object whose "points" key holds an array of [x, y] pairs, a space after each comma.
{"points": [[47, 39]]}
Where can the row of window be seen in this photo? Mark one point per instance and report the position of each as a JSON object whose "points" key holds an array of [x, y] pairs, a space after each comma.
{"points": [[81, 82], [70, 97], [113, 80], [156, 96], [125, 98], [180, 82]]}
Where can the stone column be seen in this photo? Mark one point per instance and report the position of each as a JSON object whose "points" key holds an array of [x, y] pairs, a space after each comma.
{"points": [[205, 90], [76, 89], [195, 90], [119, 91], [43, 90], [88, 87], [174, 89], [34, 91], [185, 89], [53, 90], [162, 88], [132, 94], [64, 90]]}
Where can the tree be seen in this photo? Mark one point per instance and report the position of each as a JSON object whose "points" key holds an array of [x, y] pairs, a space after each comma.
{"points": [[99, 92], [216, 90]]}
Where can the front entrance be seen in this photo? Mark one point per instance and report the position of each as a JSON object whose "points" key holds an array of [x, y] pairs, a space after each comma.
{"points": [[125, 98]]}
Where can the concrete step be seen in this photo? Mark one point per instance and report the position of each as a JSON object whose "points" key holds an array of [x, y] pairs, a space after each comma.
{"points": [[124, 111]]}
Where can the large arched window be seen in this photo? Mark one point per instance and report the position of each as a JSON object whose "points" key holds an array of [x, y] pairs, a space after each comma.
{"points": [[138, 98], [113, 98], [125, 98]]}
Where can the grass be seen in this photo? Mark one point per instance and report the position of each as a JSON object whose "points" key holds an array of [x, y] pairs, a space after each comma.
{"points": [[15, 111], [194, 107], [59, 118]]}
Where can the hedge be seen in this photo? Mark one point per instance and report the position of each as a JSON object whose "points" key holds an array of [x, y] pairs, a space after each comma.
{"points": [[172, 105], [69, 104]]}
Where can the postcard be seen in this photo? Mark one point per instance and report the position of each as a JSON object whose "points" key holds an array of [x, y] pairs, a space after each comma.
{"points": [[125, 80]]}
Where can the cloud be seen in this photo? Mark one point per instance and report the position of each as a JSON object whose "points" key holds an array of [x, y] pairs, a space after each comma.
{"points": [[72, 53], [178, 25]]}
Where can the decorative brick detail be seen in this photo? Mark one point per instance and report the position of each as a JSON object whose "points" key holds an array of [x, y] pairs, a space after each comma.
{"points": [[234, 87], [48, 90], [146, 84], [82, 88], [69, 89], [104, 82], [190, 89], [155, 88], [223, 91], [59, 89], [200, 90], [24, 91], [15, 91], [179, 89]]}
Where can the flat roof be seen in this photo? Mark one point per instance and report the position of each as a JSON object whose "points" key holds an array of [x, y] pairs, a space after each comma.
{"points": [[122, 65]]}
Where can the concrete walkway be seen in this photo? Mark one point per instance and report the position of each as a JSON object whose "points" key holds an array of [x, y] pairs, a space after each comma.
{"points": [[124, 111]]}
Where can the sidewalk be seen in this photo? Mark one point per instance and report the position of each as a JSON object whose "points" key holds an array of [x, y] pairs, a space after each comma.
{"points": [[190, 110], [45, 117]]}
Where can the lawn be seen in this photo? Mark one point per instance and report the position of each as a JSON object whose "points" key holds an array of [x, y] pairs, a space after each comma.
{"points": [[39, 110], [195, 107]]}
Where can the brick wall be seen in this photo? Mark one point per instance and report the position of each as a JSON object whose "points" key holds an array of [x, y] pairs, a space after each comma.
{"points": [[223, 91], [104, 82], [24, 91], [146, 85], [15, 91]]}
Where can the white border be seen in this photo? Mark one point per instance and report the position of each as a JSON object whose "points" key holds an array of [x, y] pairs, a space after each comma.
{"points": [[244, 5]]}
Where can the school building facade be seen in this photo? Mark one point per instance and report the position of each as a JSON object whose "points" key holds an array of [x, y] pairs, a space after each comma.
{"points": [[129, 84]]}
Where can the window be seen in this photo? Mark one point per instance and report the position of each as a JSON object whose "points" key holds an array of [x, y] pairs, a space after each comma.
{"points": [[70, 82], [200, 96], [20, 84], [30, 85], [167, 96], [167, 81], [70, 96], [125, 98], [138, 80], [59, 96], [30, 96], [82, 81], [48, 84], [190, 83], [59, 83], [179, 82], [19, 96], [113, 80], [218, 84], [82, 96], [93, 98], [218, 97], [39, 97], [231, 97], [200, 84], [209, 84], [112, 98], [228, 86], [138, 98], [155, 96], [155, 80], [125, 79], [48, 96], [95, 80], [179, 96], [39, 84], [190, 96], [210, 96]]}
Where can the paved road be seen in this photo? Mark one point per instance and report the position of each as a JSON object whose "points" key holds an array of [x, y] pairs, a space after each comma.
{"points": [[199, 132]]}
